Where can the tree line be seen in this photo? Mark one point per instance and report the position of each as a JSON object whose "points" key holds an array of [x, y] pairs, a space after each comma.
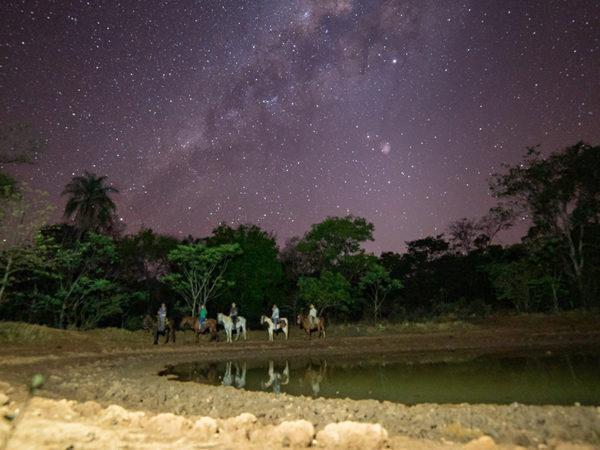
{"points": [[87, 272]]}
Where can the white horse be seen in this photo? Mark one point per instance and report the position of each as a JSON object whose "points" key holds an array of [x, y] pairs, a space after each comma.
{"points": [[227, 322], [276, 379], [239, 380], [283, 326]]}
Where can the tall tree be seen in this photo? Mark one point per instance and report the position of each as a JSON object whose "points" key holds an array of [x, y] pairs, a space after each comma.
{"points": [[329, 291], [327, 242], [257, 272], [19, 144], [22, 215], [89, 203], [377, 285], [561, 195], [199, 272]]}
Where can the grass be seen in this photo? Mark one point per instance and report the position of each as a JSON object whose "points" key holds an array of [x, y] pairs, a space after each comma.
{"points": [[383, 328], [18, 332]]}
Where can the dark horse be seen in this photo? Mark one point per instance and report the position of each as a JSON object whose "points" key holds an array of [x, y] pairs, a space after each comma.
{"points": [[210, 326], [168, 331], [304, 322]]}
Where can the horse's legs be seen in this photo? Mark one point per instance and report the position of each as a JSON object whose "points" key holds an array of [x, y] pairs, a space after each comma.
{"points": [[156, 337], [167, 333]]}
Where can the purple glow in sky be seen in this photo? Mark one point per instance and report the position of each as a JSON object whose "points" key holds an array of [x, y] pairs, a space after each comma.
{"points": [[283, 112]]}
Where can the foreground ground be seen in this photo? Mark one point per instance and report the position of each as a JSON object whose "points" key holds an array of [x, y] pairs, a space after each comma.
{"points": [[88, 374]]}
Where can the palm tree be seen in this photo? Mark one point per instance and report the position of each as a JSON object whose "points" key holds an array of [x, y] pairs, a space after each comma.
{"points": [[89, 202]]}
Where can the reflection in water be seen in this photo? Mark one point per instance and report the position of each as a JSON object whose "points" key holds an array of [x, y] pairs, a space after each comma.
{"points": [[542, 378], [314, 375], [239, 380], [276, 378]]}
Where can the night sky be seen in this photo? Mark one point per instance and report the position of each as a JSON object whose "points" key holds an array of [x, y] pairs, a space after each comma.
{"points": [[282, 112]]}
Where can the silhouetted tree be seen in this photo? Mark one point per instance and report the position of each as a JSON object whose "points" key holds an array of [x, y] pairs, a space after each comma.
{"points": [[561, 195], [89, 203]]}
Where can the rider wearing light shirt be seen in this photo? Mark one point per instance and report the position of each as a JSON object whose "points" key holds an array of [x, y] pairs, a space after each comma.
{"points": [[312, 315], [275, 316]]}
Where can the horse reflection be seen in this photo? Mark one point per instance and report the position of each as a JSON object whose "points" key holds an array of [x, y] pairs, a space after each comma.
{"points": [[314, 376], [276, 378], [239, 379]]}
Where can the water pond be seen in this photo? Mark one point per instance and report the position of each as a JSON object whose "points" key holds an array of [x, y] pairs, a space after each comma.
{"points": [[544, 378]]}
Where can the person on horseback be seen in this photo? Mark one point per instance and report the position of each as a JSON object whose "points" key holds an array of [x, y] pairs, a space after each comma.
{"points": [[275, 317], [162, 317], [203, 315], [312, 315], [233, 313]]}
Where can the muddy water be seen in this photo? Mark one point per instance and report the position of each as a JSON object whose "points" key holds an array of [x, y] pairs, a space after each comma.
{"points": [[539, 379]]}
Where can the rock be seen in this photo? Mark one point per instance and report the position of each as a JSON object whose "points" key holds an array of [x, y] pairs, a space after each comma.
{"points": [[353, 435], [294, 433], [116, 415], [205, 427], [482, 443], [169, 424], [245, 422], [4, 399], [88, 409]]}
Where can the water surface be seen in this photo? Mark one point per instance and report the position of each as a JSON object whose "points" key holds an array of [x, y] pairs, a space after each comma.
{"points": [[546, 378]]}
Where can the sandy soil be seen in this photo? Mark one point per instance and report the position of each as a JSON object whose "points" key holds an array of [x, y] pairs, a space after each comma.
{"points": [[77, 405]]}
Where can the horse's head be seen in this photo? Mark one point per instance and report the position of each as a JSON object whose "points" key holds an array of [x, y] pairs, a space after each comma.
{"points": [[147, 322], [262, 319], [299, 321], [220, 317]]}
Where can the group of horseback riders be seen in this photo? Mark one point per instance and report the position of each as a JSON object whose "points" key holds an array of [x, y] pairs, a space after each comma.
{"points": [[233, 314]]}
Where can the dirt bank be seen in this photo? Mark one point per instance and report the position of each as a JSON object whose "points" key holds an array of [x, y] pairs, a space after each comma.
{"points": [[127, 376]]}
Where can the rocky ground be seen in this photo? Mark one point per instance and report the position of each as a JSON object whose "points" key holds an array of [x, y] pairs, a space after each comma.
{"points": [[115, 399]]}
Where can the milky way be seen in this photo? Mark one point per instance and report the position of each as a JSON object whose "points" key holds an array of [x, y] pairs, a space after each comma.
{"points": [[282, 112]]}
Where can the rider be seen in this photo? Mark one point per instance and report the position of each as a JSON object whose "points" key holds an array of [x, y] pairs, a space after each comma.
{"points": [[162, 316], [275, 316], [312, 315], [203, 314], [233, 313]]}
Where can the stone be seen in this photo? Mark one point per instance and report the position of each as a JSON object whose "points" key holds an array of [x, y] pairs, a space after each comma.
{"points": [[294, 433], [205, 427], [481, 443], [169, 424], [353, 435], [245, 422], [116, 415]]}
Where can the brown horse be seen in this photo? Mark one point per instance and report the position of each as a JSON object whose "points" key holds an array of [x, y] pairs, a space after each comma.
{"points": [[151, 324], [304, 322], [210, 326]]}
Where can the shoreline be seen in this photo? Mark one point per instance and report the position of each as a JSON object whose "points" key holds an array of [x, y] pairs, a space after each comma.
{"points": [[128, 376]]}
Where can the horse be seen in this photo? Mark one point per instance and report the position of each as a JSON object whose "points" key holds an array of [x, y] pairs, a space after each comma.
{"points": [[283, 326], [239, 379], [167, 331], [227, 323], [276, 379], [148, 323], [306, 325], [192, 322], [315, 377]]}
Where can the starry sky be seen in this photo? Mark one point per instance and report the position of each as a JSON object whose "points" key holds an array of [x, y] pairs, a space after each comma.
{"points": [[282, 112]]}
